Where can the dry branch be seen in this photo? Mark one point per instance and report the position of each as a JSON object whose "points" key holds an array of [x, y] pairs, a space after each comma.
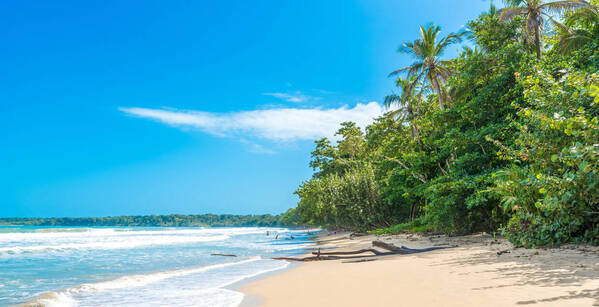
{"points": [[361, 251], [359, 260], [393, 250]]}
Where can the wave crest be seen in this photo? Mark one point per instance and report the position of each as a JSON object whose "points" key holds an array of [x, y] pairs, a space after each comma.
{"points": [[123, 244], [64, 298], [51, 299]]}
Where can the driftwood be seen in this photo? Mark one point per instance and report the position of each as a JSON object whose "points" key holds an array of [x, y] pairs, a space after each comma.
{"points": [[307, 258], [387, 246], [404, 250], [318, 258], [359, 260], [224, 255], [361, 251], [393, 250]]}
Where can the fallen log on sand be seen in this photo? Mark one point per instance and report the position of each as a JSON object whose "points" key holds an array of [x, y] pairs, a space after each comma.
{"points": [[393, 250], [387, 246], [359, 260], [361, 251], [308, 258], [404, 250], [356, 234]]}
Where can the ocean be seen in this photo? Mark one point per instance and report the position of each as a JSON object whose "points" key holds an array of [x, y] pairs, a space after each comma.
{"points": [[137, 266]]}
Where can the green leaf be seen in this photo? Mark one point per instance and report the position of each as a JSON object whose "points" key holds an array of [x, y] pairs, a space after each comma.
{"points": [[583, 165]]}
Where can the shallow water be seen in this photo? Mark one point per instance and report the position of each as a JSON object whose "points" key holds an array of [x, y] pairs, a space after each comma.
{"points": [[136, 266]]}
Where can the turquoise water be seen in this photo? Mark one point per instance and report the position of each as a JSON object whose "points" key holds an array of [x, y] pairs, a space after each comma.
{"points": [[136, 266]]}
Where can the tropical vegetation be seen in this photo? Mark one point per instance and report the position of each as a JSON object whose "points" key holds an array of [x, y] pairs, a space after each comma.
{"points": [[502, 138]]}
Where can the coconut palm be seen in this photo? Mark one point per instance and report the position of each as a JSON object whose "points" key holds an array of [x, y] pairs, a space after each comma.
{"points": [[407, 100], [428, 69], [534, 13], [572, 39]]}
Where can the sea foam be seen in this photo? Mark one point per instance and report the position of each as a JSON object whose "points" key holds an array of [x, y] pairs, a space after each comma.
{"points": [[129, 243], [212, 296], [130, 266]]}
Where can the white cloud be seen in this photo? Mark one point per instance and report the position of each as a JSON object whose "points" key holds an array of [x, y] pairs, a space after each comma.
{"points": [[257, 148], [284, 124], [291, 97]]}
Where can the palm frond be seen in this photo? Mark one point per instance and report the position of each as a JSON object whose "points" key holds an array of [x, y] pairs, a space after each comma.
{"points": [[415, 83], [492, 10], [514, 3], [562, 28], [407, 47], [416, 68], [398, 71], [571, 40], [413, 49], [588, 14], [444, 73], [469, 52], [391, 99], [558, 7], [399, 114], [574, 41], [511, 12], [450, 39]]}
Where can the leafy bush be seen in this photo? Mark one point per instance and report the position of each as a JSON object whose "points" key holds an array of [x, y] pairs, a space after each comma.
{"points": [[352, 200], [416, 225], [552, 188]]}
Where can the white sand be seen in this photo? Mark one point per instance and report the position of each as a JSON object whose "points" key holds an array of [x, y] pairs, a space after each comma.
{"points": [[470, 275]]}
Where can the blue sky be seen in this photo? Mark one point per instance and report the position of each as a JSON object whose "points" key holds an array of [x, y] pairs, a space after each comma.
{"points": [[159, 107]]}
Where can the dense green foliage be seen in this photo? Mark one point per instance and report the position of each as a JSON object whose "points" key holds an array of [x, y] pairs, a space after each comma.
{"points": [[552, 185], [502, 138], [152, 220]]}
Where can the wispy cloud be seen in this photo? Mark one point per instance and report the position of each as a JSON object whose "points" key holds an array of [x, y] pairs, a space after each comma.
{"points": [[292, 97], [280, 125], [257, 148]]}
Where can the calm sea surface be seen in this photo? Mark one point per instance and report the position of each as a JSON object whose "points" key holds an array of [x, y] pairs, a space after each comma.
{"points": [[136, 266]]}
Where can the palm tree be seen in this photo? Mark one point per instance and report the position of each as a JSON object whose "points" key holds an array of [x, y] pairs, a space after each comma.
{"points": [[429, 69], [573, 39], [405, 100], [534, 12]]}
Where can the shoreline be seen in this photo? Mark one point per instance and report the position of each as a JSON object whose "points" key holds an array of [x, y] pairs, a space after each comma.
{"points": [[251, 300], [480, 271], [256, 301]]}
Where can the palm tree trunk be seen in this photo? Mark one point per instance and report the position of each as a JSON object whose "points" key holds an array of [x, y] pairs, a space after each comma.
{"points": [[439, 94], [412, 125], [412, 211], [538, 42], [415, 132]]}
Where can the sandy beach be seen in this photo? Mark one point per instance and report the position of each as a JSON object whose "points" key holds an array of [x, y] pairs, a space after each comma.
{"points": [[469, 274]]}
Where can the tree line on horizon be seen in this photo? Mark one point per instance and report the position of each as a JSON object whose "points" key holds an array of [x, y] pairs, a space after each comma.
{"points": [[503, 138], [172, 220]]}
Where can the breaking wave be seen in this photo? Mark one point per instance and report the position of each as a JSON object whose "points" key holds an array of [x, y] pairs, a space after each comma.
{"points": [[65, 298], [130, 243]]}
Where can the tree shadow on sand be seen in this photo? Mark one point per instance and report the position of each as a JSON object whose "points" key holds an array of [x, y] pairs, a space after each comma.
{"points": [[560, 267]]}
